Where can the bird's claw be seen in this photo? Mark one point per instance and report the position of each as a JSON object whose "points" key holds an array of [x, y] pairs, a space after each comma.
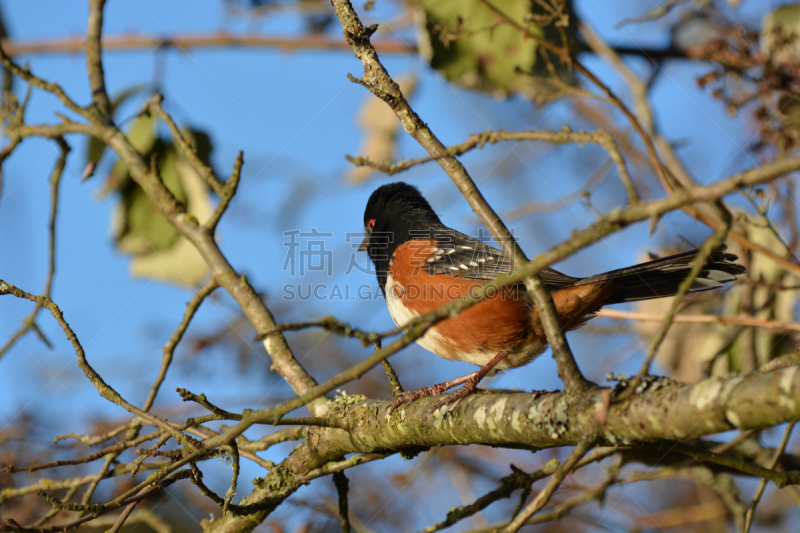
{"points": [[424, 392], [468, 389]]}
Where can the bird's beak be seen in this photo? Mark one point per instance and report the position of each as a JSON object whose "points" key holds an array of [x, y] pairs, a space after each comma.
{"points": [[364, 244]]}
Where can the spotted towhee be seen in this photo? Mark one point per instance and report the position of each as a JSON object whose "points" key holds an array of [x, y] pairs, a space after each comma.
{"points": [[422, 264]]}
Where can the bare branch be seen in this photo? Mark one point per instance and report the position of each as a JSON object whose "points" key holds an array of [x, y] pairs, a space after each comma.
{"points": [[189, 152], [711, 244], [72, 45], [544, 496], [94, 59], [55, 180], [342, 486], [227, 193], [751, 511], [169, 348], [660, 409], [478, 140], [571, 59], [53, 88], [751, 322]]}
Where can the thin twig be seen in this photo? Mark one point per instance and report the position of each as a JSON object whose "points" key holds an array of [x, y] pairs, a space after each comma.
{"points": [[94, 59], [264, 443], [221, 414], [342, 486], [120, 446], [781, 479], [123, 516], [341, 466], [105, 390], [227, 194], [555, 481], [478, 140], [762, 210], [183, 42], [55, 181], [71, 491], [38, 82], [169, 348], [332, 325], [234, 477], [751, 511], [190, 153], [698, 263], [394, 381], [752, 322]]}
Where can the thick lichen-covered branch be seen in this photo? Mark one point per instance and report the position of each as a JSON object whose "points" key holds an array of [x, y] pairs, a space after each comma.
{"points": [[659, 409]]}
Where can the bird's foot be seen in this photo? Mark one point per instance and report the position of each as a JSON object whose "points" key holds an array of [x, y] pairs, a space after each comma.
{"points": [[470, 382], [470, 387], [424, 392]]}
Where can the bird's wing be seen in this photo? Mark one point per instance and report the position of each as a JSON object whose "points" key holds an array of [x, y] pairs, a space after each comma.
{"points": [[462, 256]]}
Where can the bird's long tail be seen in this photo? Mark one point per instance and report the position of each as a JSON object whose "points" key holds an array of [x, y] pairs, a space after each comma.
{"points": [[662, 277]]}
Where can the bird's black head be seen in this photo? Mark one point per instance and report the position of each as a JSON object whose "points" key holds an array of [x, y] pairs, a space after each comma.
{"points": [[395, 213]]}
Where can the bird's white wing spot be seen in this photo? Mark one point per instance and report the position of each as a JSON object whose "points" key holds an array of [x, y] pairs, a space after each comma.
{"points": [[702, 283], [719, 275]]}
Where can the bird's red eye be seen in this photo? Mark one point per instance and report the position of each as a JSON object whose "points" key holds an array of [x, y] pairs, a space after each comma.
{"points": [[371, 224]]}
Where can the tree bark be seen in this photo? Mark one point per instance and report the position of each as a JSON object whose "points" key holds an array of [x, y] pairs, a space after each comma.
{"points": [[661, 409]]}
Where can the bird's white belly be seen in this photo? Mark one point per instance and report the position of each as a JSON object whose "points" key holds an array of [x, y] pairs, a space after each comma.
{"points": [[394, 301], [432, 340]]}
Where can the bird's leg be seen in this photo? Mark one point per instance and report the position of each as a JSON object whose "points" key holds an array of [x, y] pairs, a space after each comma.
{"points": [[433, 390], [470, 382]]}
